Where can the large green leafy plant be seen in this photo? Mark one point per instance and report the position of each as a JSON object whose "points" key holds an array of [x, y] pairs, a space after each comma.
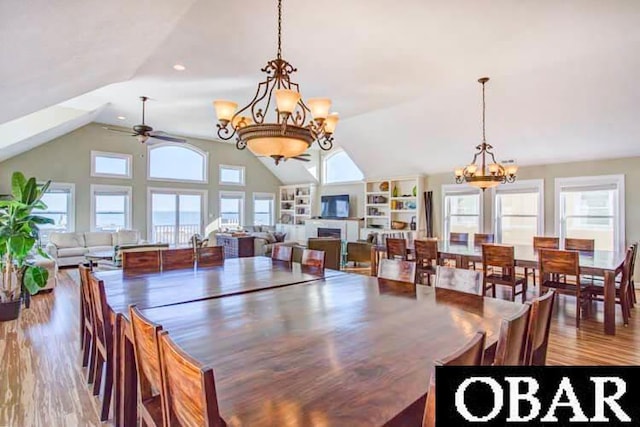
{"points": [[18, 236]]}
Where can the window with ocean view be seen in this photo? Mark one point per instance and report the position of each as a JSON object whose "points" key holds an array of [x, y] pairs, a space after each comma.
{"points": [[263, 208], [110, 207], [176, 215], [231, 208], [60, 201]]}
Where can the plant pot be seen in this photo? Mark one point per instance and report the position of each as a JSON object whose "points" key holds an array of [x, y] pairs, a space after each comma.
{"points": [[10, 310]]}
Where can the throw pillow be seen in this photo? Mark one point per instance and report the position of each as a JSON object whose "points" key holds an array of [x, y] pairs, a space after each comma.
{"points": [[279, 236]]}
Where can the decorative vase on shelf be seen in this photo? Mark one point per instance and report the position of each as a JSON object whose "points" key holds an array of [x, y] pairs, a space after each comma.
{"points": [[395, 191], [414, 191]]}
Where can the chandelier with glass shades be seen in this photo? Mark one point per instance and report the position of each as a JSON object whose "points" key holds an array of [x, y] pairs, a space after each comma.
{"points": [[485, 175], [294, 125]]}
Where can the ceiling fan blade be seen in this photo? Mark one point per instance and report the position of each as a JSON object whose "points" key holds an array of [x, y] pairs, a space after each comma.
{"points": [[162, 136], [302, 159], [117, 130]]}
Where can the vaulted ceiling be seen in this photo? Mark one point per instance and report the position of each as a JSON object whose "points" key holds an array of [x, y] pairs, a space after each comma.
{"points": [[403, 76]]}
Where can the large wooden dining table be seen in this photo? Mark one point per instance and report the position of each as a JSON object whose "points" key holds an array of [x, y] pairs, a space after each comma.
{"points": [[338, 351], [234, 276], [606, 264]]}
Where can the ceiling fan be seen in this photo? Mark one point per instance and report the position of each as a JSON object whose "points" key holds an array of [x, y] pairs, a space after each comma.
{"points": [[143, 132], [302, 157]]}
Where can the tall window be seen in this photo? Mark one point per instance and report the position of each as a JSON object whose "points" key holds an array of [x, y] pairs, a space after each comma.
{"points": [[110, 207], [231, 175], [462, 210], [110, 165], [60, 201], [231, 208], [263, 208], [518, 212], [591, 208], [338, 167], [175, 215], [177, 162]]}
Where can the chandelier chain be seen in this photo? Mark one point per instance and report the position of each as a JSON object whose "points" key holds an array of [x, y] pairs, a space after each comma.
{"points": [[484, 107], [279, 29]]}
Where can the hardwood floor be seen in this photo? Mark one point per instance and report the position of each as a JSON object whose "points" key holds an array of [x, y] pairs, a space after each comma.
{"points": [[43, 384]]}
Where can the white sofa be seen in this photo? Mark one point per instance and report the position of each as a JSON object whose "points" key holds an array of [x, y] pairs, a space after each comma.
{"points": [[70, 248]]}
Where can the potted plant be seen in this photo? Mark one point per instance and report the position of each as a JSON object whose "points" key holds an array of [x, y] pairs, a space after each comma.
{"points": [[18, 236]]}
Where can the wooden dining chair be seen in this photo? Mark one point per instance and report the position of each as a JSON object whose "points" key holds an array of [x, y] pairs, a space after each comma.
{"points": [[582, 245], [176, 259], [188, 388], [397, 270], [426, 255], [141, 261], [104, 345], [313, 258], [553, 264], [541, 242], [332, 249], [469, 355], [282, 253], [396, 248], [539, 327], [210, 256], [512, 339], [459, 238], [500, 269], [595, 290], [459, 279], [480, 239], [87, 324], [632, 282], [147, 355]]}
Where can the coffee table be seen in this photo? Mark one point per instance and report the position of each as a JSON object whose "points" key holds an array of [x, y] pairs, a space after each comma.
{"points": [[94, 257]]}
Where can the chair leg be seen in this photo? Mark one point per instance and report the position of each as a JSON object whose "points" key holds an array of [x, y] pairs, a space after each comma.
{"points": [[91, 371], [578, 310], [108, 388], [97, 377], [86, 346], [493, 290]]}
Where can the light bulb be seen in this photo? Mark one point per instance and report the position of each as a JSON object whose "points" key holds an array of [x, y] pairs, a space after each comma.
{"points": [[224, 110], [319, 107], [331, 123], [494, 168], [459, 172], [472, 169], [286, 100]]}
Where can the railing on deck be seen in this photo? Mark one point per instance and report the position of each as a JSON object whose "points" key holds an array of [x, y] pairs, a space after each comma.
{"points": [[167, 233]]}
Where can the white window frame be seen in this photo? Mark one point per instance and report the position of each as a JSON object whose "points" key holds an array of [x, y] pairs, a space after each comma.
{"points": [[328, 157], [233, 194], [520, 186], [460, 189], [127, 157], [594, 181], [232, 167], [203, 153], [272, 196], [119, 189], [173, 190], [71, 215]]}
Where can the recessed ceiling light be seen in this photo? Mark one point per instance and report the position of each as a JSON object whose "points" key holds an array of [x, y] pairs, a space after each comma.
{"points": [[121, 117], [179, 67]]}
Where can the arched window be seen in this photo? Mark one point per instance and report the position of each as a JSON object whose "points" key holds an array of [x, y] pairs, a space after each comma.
{"points": [[338, 167], [177, 162]]}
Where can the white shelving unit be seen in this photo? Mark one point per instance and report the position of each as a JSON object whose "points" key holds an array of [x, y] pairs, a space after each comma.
{"points": [[296, 204], [393, 199]]}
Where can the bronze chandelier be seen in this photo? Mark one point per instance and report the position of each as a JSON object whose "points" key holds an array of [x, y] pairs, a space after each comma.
{"points": [[485, 175], [290, 134]]}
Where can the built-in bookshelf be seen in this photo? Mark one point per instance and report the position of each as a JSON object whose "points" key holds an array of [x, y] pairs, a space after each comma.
{"points": [[296, 203], [393, 200]]}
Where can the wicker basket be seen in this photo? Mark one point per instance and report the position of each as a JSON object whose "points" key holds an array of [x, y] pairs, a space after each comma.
{"points": [[398, 225]]}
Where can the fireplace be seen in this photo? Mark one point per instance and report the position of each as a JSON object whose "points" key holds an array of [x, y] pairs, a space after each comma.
{"points": [[329, 232]]}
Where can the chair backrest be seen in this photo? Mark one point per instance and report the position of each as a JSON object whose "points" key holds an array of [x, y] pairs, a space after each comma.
{"points": [[494, 255], [555, 261], [512, 339], [459, 238], [539, 327], [459, 279], [85, 293], [625, 280], [332, 249], [173, 259], [479, 239], [633, 262], [282, 253], [471, 354], [584, 245], [142, 261], [100, 310], [397, 270], [541, 242], [426, 250], [147, 353], [208, 256], [396, 248], [188, 388], [312, 258]]}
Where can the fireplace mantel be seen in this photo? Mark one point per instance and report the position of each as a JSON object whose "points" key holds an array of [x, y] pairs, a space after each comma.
{"points": [[349, 228]]}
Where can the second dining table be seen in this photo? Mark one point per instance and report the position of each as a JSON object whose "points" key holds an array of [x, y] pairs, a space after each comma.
{"points": [[605, 264]]}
